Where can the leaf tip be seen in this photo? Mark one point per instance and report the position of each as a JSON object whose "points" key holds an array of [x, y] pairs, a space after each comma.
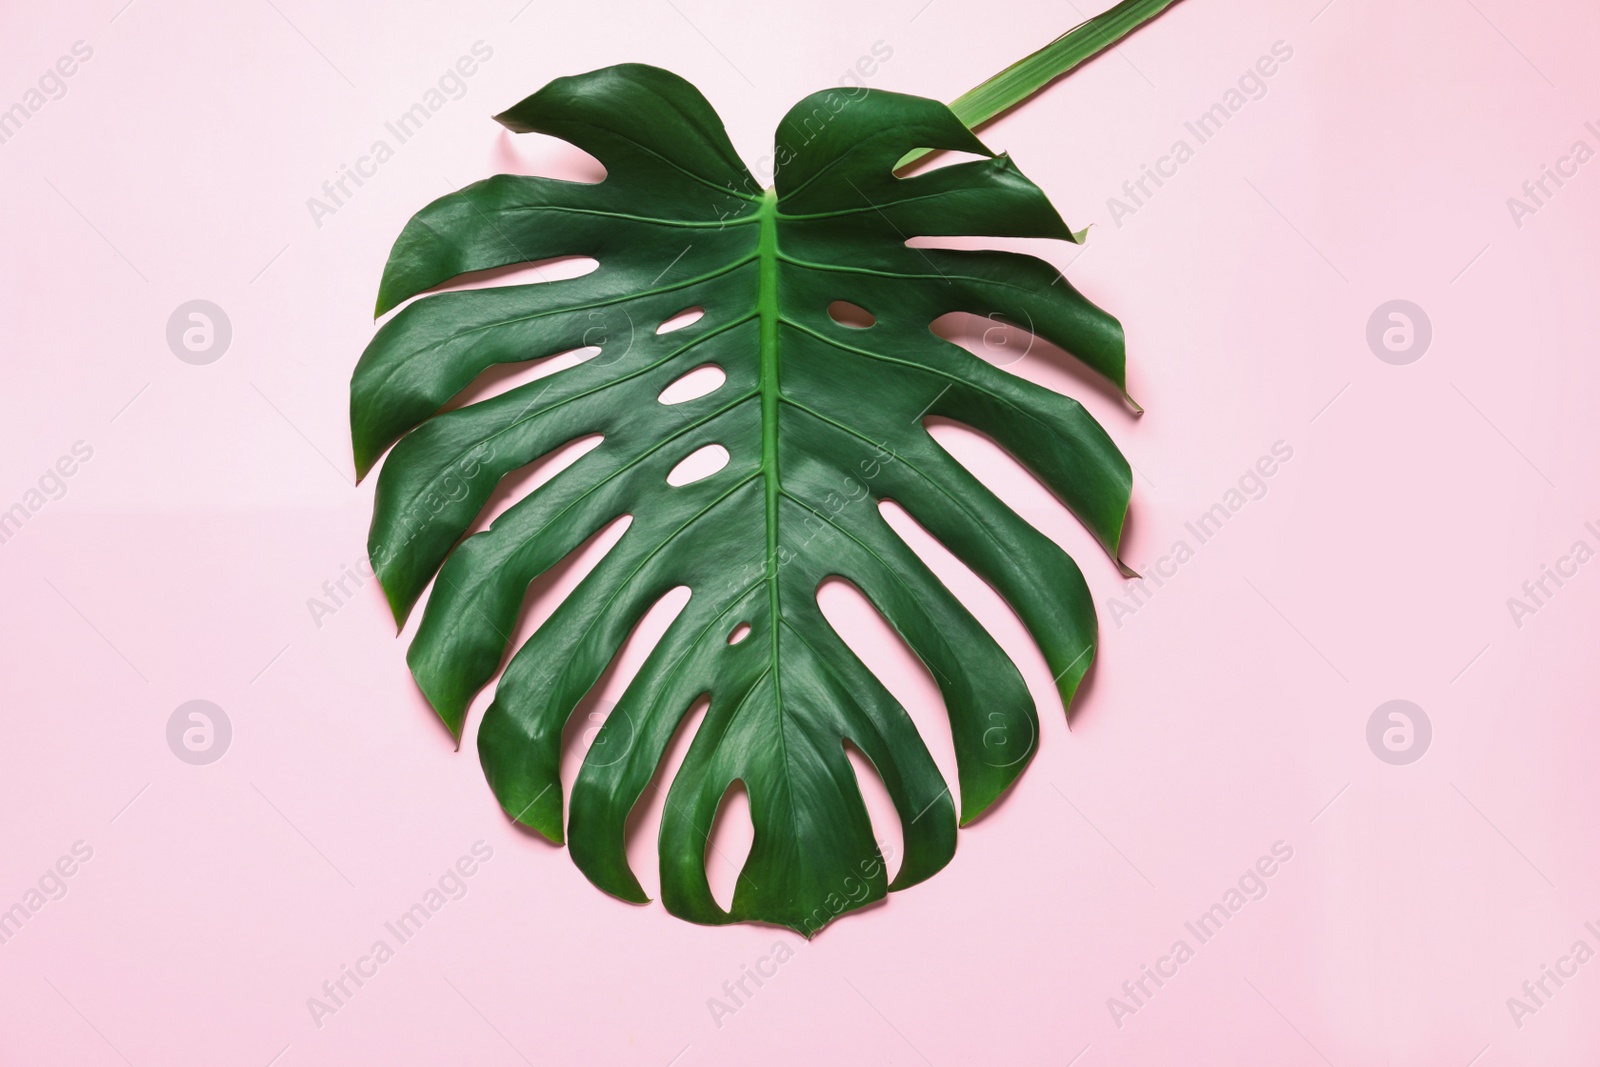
{"points": [[397, 607], [556, 834], [454, 718], [517, 117], [387, 300], [540, 823]]}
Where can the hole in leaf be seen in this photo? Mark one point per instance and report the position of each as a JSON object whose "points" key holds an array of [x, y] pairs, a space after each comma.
{"points": [[885, 653], [1018, 487], [885, 818], [740, 632], [937, 159], [1004, 344], [504, 377], [546, 156], [644, 821], [988, 337], [554, 269], [854, 316], [701, 463], [686, 317], [546, 592], [980, 598], [578, 736], [707, 378], [524, 480], [728, 844]]}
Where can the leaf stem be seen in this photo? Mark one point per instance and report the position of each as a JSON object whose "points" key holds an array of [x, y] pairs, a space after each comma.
{"points": [[1005, 90]]}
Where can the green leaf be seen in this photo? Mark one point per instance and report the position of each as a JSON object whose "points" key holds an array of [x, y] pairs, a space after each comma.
{"points": [[1005, 90], [821, 422]]}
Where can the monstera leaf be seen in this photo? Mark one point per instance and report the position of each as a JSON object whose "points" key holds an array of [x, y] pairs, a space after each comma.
{"points": [[820, 421]]}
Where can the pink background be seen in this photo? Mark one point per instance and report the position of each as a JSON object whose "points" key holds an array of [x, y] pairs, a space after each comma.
{"points": [[1228, 713]]}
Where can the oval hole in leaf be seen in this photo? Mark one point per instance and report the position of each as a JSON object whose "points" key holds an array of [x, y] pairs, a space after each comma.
{"points": [[701, 463], [740, 632], [686, 317], [728, 844], [885, 818], [706, 378], [854, 316]]}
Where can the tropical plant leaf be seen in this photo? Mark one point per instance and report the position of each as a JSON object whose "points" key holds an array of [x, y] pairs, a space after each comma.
{"points": [[1000, 93], [821, 422]]}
